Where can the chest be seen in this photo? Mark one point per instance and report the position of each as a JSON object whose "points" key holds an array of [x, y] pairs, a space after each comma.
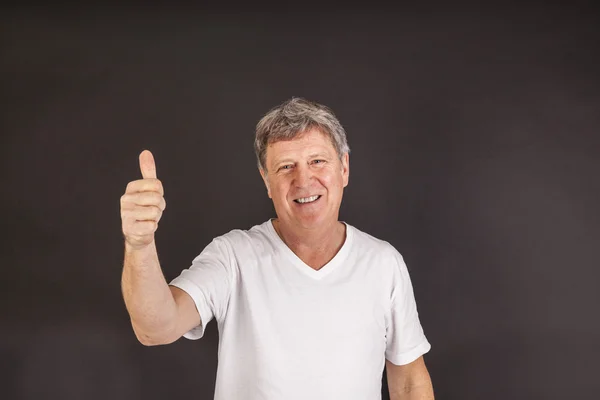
{"points": [[282, 304]]}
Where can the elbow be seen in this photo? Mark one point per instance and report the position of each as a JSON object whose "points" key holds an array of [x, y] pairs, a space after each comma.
{"points": [[148, 340], [153, 339]]}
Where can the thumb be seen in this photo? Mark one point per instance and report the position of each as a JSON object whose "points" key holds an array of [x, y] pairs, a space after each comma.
{"points": [[147, 165]]}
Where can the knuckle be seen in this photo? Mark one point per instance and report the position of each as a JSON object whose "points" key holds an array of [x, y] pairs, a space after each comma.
{"points": [[130, 187], [125, 200], [156, 198], [158, 187], [132, 200]]}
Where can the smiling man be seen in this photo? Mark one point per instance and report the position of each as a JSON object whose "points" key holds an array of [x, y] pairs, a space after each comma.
{"points": [[307, 307]]}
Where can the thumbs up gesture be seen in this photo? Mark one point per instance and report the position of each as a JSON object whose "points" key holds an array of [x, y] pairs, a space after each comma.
{"points": [[142, 205]]}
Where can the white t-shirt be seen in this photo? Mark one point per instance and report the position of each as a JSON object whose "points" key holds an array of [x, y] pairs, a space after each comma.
{"points": [[287, 331]]}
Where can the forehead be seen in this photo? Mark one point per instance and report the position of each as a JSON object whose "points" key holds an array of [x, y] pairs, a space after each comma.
{"points": [[311, 140]]}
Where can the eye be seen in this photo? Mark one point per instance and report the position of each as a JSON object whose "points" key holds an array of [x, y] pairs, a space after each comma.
{"points": [[285, 167], [318, 161]]}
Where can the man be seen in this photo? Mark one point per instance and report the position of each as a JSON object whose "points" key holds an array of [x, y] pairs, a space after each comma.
{"points": [[307, 307]]}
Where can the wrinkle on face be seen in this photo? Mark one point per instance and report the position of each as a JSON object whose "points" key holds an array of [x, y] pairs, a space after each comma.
{"points": [[305, 166]]}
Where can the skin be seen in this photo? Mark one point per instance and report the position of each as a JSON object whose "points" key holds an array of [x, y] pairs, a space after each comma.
{"points": [[410, 381], [305, 166], [159, 313]]}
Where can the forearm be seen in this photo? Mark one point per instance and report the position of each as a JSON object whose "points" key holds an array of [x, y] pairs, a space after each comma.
{"points": [[147, 296], [424, 392], [410, 381]]}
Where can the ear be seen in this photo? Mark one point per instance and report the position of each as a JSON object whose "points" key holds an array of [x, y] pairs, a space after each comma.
{"points": [[265, 178], [345, 168]]}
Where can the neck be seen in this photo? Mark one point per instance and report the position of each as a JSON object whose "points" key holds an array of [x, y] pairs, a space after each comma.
{"points": [[316, 247]]}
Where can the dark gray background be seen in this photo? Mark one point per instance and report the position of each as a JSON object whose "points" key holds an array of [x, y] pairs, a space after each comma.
{"points": [[475, 151]]}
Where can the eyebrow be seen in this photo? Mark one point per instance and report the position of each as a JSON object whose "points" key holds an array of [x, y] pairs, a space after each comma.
{"points": [[289, 160], [322, 155], [283, 161]]}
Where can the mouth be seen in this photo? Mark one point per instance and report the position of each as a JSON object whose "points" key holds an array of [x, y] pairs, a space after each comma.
{"points": [[306, 200]]}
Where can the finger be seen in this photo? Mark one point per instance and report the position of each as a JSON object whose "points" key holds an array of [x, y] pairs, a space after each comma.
{"points": [[142, 213], [147, 165], [145, 185], [131, 200], [143, 228]]}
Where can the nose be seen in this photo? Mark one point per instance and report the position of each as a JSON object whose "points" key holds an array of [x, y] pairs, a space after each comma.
{"points": [[303, 176]]}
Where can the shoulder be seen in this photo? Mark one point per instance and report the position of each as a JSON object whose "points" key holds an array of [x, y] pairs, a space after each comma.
{"points": [[257, 233], [238, 246], [380, 255], [256, 239], [369, 244]]}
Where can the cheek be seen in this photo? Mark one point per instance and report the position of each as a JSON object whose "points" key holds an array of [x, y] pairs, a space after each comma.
{"points": [[332, 179], [279, 191]]}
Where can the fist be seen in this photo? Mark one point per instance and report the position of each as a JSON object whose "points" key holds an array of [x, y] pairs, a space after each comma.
{"points": [[142, 205]]}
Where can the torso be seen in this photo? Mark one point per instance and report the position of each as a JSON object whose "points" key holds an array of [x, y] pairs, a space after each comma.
{"points": [[296, 332], [314, 251]]}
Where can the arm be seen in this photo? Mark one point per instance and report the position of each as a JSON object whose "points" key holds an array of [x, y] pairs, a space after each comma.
{"points": [[410, 381], [160, 314]]}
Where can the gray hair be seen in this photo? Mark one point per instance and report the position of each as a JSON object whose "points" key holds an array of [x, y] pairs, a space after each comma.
{"points": [[293, 117]]}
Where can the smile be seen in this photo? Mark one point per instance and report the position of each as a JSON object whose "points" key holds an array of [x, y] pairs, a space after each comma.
{"points": [[310, 199]]}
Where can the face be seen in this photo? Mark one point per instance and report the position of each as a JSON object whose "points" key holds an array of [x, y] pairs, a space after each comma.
{"points": [[305, 178]]}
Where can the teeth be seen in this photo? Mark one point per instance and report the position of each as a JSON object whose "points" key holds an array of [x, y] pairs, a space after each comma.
{"points": [[307, 199]]}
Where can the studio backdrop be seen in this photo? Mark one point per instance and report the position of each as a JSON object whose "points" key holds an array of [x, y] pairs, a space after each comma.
{"points": [[474, 141]]}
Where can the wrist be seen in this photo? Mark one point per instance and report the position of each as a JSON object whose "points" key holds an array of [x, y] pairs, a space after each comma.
{"points": [[139, 248]]}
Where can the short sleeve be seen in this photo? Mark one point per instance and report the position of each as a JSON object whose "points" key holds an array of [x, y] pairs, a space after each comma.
{"points": [[405, 339], [208, 282]]}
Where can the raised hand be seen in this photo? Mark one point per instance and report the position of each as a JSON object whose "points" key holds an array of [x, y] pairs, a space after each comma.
{"points": [[142, 205]]}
